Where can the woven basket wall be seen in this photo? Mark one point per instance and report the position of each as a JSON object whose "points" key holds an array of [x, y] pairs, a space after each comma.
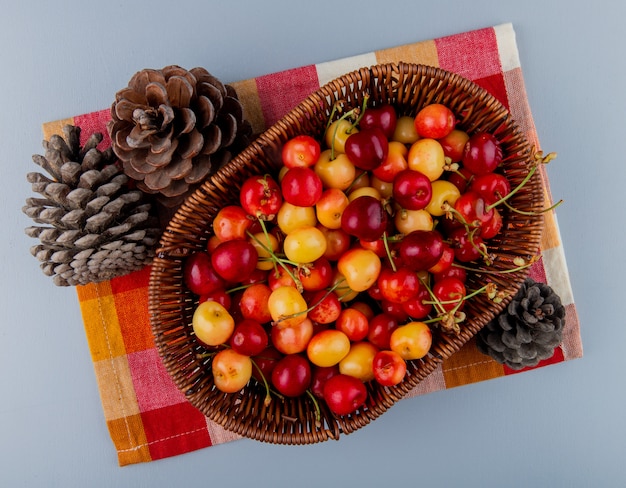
{"points": [[408, 87]]}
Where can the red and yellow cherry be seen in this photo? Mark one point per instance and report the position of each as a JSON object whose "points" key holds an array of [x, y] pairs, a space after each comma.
{"points": [[344, 394], [393, 163], [291, 217], [453, 144], [406, 221], [426, 156], [260, 196], [330, 206], [434, 121], [325, 307], [292, 339], [266, 245], [254, 303], [337, 242], [389, 368], [300, 151], [337, 134], [405, 132], [364, 191], [397, 285], [231, 370], [316, 276], [358, 361], [287, 306], [231, 222], [412, 340], [354, 323], [281, 276], [339, 172], [212, 323], [360, 268], [304, 245], [328, 347], [444, 192]]}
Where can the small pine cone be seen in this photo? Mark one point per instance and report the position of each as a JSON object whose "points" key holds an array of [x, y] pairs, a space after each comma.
{"points": [[171, 128], [528, 330], [93, 227]]}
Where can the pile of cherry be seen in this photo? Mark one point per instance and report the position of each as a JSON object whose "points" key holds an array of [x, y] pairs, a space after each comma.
{"points": [[331, 273]]}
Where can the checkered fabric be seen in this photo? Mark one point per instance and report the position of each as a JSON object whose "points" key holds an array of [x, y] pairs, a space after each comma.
{"points": [[148, 418]]}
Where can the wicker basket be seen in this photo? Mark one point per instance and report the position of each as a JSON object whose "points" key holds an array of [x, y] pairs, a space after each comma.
{"points": [[293, 421]]}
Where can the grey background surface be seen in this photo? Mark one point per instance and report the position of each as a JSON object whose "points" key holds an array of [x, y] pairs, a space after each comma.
{"points": [[559, 426]]}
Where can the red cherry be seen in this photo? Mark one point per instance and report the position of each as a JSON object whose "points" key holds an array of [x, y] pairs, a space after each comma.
{"points": [[421, 249], [383, 117], [344, 394], [491, 186], [249, 338], [260, 196], [234, 261], [482, 153], [199, 274], [301, 186], [367, 149], [365, 217], [399, 285], [412, 190]]}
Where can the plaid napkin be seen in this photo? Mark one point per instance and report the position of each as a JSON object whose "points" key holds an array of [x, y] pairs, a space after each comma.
{"points": [[148, 418]]}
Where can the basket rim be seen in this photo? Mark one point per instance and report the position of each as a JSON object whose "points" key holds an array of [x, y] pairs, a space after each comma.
{"points": [[225, 179]]}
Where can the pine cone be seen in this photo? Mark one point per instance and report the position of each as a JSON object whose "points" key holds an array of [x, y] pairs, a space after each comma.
{"points": [[171, 128], [94, 227], [528, 330]]}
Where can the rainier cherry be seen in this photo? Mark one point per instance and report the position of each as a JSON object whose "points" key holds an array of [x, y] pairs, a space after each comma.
{"points": [[261, 197]]}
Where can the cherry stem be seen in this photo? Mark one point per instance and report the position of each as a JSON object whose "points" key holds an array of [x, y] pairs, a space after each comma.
{"points": [[318, 415], [388, 251], [311, 307], [504, 271], [522, 212], [268, 396], [359, 113], [539, 159], [283, 263]]}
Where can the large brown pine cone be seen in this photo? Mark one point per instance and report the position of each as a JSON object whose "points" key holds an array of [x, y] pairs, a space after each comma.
{"points": [[171, 128], [92, 226]]}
